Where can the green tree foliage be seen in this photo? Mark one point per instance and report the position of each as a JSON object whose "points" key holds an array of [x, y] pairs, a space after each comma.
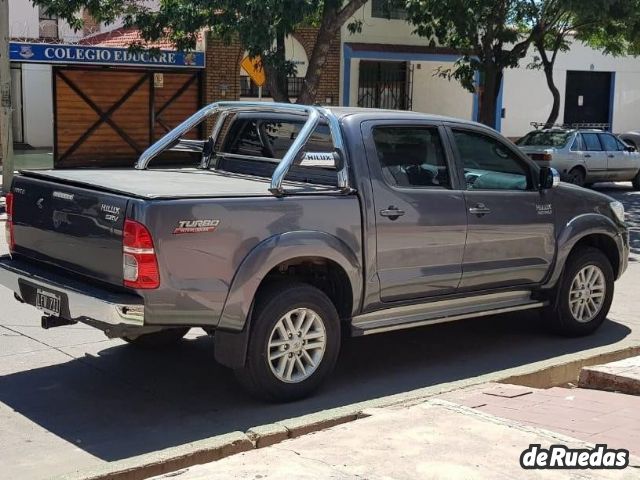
{"points": [[489, 35], [261, 26]]}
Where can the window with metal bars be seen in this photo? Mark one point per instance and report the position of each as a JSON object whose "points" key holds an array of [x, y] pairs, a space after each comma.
{"points": [[250, 89], [389, 9], [385, 85]]}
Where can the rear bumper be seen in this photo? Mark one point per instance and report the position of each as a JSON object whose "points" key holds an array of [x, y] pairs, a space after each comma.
{"points": [[86, 303]]}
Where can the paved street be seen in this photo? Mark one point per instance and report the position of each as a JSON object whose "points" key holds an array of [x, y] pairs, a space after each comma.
{"points": [[71, 399]]}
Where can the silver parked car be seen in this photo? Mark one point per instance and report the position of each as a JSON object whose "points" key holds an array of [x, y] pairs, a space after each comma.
{"points": [[631, 138], [583, 156]]}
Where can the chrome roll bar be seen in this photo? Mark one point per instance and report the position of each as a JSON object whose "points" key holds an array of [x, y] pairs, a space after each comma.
{"points": [[313, 113]]}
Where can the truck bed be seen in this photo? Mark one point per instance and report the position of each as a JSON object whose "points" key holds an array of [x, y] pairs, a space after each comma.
{"points": [[169, 183]]}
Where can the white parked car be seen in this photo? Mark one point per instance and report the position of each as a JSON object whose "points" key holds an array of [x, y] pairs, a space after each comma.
{"points": [[583, 156]]}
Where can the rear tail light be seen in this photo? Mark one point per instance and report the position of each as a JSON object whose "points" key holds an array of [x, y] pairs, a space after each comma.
{"points": [[9, 223], [542, 157], [139, 261]]}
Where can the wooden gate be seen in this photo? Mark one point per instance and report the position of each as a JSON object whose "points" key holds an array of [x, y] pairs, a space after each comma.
{"points": [[107, 118]]}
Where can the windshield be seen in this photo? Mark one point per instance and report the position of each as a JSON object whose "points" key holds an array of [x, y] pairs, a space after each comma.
{"points": [[544, 139]]}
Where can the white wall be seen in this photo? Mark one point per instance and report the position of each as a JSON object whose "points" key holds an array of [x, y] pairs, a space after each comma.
{"points": [[37, 107], [380, 30], [24, 22], [23, 19], [437, 95], [527, 97]]}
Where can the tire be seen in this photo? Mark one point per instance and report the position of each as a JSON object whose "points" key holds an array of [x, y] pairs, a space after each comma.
{"points": [[163, 338], [582, 265], [576, 176], [260, 375], [636, 182]]}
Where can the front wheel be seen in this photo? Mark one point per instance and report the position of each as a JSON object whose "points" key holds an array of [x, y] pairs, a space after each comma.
{"points": [[294, 343], [584, 295]]}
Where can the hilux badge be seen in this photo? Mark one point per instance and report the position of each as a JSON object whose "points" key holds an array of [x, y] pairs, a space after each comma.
{"points": [[544, 209], [196, 226]]}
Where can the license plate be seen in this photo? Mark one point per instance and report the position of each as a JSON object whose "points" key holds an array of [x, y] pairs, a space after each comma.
{"points": [[48, 302]]}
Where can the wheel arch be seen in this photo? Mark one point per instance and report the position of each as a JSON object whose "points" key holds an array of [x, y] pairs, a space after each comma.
{"points": [[266, 262], [588, 230]]}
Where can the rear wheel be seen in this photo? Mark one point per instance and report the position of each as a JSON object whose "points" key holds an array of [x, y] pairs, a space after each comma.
{"points": [[294, 343], [584, 295], [576, 176], [163, 338]]}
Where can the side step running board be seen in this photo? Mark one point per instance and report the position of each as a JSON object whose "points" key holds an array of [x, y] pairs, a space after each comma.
{"points": [[399, 318]]}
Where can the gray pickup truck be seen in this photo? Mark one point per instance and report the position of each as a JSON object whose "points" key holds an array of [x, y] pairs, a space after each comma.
{"points": [[290, 226]]}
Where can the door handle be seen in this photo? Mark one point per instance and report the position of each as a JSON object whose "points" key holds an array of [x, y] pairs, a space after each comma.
{"points": [[587, 156], [611, 156], [480, 209], [393, 213]]}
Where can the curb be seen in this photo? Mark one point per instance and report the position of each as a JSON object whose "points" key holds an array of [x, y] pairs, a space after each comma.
{"points": [[610, 377], [168, 460], [205, 451], [568, 372]]}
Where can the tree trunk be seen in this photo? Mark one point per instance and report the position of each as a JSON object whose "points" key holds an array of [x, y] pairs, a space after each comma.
{"points": [[490, 92], [318, 59], [276, 73], [555, 110], [332, 19], [317, 62]]}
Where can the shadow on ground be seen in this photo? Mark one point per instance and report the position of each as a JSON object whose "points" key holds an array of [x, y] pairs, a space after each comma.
{"points": [[121, 402]]}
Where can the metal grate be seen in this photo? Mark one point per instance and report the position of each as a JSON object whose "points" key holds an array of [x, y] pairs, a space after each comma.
{"points": [[385, 85], [250, 89]]}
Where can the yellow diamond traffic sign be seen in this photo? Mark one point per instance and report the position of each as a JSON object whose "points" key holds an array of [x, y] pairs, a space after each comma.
{"points": [[253, 67]]}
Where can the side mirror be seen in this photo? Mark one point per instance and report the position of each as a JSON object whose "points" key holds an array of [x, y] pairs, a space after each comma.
{"points": [[549, 178], [630, 148]]}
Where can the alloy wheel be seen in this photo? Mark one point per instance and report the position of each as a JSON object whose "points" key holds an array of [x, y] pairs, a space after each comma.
{"points": [[296, 345], [587, 293]]}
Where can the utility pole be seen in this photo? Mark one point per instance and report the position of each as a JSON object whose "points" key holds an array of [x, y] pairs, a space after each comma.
{"points": [[6, 135]]}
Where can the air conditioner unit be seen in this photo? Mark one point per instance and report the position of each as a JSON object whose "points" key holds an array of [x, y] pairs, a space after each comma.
{"points": [[49, 28]]}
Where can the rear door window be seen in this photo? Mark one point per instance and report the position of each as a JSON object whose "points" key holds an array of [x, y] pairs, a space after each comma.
{"points": [[609, 142], [412, 156], [591, 142]]}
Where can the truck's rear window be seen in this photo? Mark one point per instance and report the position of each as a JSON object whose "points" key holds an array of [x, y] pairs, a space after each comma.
{"points": [[271, 139]]}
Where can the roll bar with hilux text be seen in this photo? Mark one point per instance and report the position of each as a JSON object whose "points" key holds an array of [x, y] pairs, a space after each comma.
{"points": [[313, 113]]}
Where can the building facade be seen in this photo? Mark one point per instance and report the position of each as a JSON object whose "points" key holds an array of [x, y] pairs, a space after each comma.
{"points": [[385, 65]]}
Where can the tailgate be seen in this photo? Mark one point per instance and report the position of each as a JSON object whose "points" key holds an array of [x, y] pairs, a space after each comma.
{"points": [[74, 228]]}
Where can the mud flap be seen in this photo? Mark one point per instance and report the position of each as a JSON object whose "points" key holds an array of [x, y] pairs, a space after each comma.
{"points": [[231, 347]]}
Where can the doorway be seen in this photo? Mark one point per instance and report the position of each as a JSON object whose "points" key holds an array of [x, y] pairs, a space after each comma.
{"points": [[588, 99]]}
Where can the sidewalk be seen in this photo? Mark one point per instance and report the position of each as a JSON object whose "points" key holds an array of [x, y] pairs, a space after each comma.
{"points": [[437, 439], [589, 415]]}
